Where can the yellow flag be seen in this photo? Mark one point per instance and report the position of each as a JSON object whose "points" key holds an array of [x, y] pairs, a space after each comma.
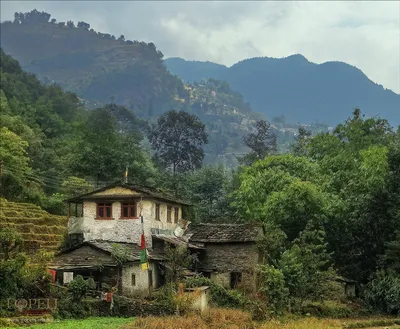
{"points": [[144, 266]]}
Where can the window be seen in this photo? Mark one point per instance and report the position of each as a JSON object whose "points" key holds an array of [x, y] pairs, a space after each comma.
{"points": [[176, 215], [104, 211], [133, 278], [169, 210], [236, 279], [128, 210], [157, 211]]}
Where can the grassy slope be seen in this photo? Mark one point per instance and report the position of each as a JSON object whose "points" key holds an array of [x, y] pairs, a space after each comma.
{"points": [[33, 223]]}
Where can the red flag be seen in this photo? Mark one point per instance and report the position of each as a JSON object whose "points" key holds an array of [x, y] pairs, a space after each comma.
{"points": [[142, 241]]}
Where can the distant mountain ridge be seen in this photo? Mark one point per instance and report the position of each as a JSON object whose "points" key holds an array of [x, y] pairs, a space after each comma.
{"points": [[297, 88], [101, 68]]}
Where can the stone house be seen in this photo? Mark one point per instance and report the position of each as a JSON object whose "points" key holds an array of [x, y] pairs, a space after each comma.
{"points": [[113, 213], [116, 216], [228, 252], [93, 259]]}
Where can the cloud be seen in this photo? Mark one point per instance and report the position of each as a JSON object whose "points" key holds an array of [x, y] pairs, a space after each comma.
{"points": [[363, 34]]}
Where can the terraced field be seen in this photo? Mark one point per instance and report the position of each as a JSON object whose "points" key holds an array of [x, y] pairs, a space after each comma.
{"points": [[37, 227]]}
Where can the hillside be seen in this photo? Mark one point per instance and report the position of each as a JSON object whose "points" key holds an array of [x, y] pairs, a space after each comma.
{"points": [[94, 65], [101, 69], [301, 90], [227, 117], [37, 227]]}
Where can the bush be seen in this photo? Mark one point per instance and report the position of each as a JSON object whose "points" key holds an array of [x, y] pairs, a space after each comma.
{"points": [[328, 309], [71, 304], [273, 288], [383, 293]]}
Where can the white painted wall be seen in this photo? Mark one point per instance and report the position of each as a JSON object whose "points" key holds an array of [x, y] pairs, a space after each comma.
{"points": [[142, 279], [122, 230]]}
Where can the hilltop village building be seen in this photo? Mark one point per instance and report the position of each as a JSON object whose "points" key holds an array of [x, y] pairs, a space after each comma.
{"points": [[114, 217]]}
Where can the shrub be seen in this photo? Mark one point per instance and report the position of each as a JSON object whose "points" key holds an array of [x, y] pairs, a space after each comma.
{"points": [[273, 288], [329, 309], [71, 304], [383, 293]]}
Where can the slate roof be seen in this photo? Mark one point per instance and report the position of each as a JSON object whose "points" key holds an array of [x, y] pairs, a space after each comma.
{"points": [[144, 191], [223, 233], [176, 241], [132, 250]]}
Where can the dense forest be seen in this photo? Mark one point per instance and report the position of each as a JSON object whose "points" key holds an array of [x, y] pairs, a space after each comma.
{"points": [[330, 206], [303, 91], [102, 69]]}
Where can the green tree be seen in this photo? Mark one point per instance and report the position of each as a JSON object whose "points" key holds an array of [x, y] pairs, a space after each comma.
{"points": [[105, 146], [273, 288], [177, 260], [14, 163], [12, 262], [306, 266], [73, 186], [261, 143], [207, 189], [177, 139], [300, 145]]}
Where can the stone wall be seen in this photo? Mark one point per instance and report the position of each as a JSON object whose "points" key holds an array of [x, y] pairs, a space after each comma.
{"points": [[122, 230], [224, 258], [228, 257], [141, 286]]}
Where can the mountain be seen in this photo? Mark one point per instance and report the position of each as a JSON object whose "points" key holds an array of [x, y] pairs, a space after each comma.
{"points": [[100, 68], [95, 66], [300, 90]]}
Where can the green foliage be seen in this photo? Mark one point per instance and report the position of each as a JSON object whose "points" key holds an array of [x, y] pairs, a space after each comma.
{"points": [[71, 303], [207, 188], [383, 293], [300, 145], [347, 181], [261, 143], [73, 186], [328, 309], [13, 157], [273, 288], [177, 259], [20, 276], [305, 266], [79, 287], [177, 141]]}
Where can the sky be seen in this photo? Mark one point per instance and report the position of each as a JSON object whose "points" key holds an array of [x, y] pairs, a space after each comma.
{"points": [[365, 34]]}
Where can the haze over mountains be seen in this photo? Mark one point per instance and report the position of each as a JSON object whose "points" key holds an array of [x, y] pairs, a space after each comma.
{"points": [[102, 68], [302, 91]]}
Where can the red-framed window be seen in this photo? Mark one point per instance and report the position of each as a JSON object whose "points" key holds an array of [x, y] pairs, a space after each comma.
{"points": [[169, 211], [129, 210], [104, 211], [176, 215], [157, 211]]}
